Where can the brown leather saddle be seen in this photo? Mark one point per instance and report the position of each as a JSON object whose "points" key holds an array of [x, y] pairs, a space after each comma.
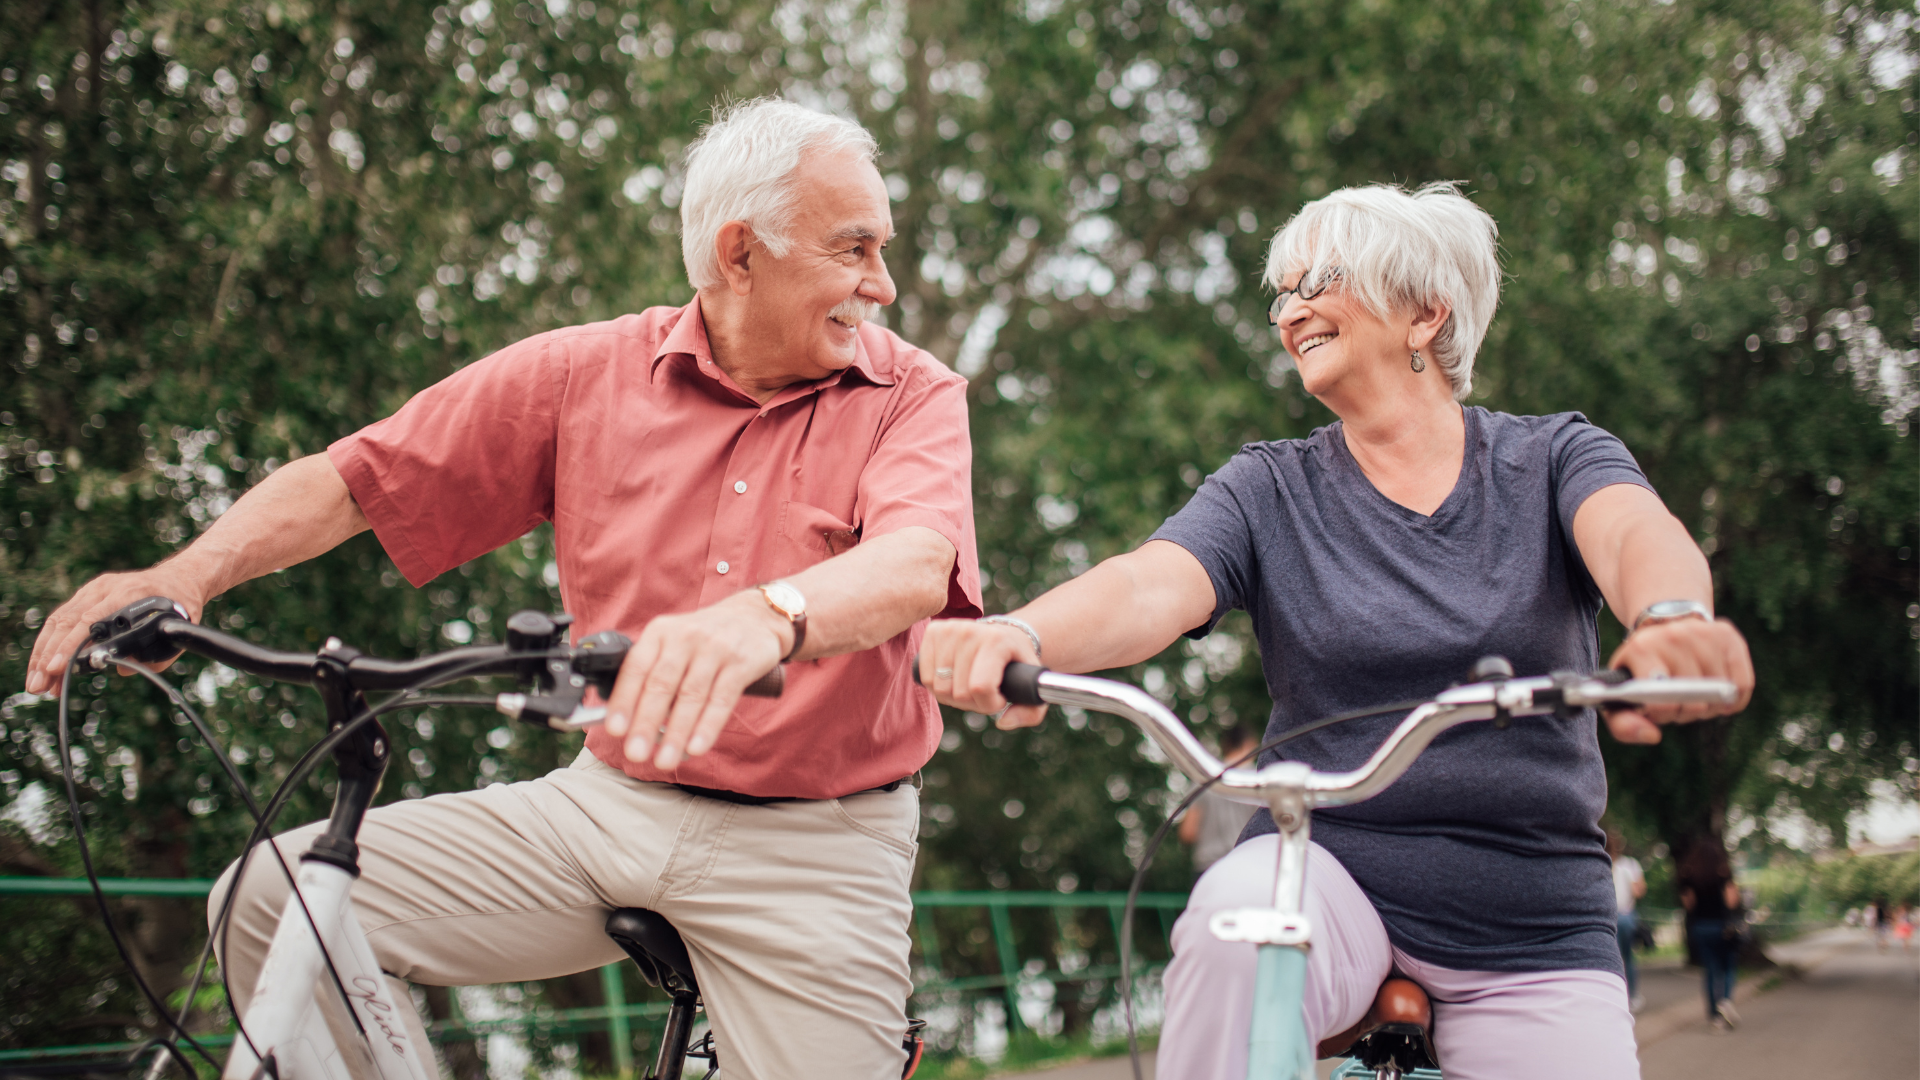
{"points": [[1396, 1033]]}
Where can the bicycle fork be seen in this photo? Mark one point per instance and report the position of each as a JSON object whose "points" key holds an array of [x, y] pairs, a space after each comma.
{"points": [[1280, 1048]]}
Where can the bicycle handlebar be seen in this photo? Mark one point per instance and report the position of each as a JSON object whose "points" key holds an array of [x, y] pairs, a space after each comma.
{"points": [[536, 653], [1026, 684]]}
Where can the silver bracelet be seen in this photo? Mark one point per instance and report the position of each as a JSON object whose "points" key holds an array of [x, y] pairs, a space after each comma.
{"points": [[1020, 625]]}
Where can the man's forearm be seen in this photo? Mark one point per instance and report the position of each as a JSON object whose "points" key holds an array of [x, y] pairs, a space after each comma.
{"points": [[298, 512], [870, 594]]}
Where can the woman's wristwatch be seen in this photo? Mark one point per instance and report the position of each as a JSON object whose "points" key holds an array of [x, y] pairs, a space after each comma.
{"points": [[1671, 611]]}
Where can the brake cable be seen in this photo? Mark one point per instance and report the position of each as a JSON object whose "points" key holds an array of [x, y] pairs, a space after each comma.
{"points": [[304, 766]]}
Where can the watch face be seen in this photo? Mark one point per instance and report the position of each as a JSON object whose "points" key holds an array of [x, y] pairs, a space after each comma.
{"points": [[785, 599]]}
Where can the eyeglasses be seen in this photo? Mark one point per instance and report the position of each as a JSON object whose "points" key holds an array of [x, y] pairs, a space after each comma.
{"points": [[1304, 291]]}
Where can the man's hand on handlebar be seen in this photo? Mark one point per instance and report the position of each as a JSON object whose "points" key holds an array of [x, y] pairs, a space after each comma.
{"points": [[684, 675], [963, 662], [66, 629], [1684, 648]]}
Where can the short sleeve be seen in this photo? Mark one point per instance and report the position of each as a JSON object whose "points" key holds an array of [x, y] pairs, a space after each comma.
{"points": [[1586, 459], [920, 473], [463, 467], [1215, 527]]}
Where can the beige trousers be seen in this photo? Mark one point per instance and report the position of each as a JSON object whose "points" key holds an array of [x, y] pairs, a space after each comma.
{"points": [[796, 913]]}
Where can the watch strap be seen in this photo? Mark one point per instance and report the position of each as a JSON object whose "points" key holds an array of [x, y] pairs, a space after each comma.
{"points": [[799, 624]]}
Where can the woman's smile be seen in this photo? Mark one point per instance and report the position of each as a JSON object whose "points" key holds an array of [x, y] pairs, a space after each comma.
{"points": [[1309, 344]]}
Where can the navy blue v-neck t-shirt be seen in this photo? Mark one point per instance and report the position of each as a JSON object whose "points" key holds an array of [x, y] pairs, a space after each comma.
{"points": [[1487, 855]]}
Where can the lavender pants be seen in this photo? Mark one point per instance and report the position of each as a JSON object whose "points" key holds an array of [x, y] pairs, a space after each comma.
{"points": [[1488, 1025]]}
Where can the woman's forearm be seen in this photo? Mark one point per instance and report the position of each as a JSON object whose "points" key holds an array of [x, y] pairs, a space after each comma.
{"points": [[1125, 610], [1638, 552]]}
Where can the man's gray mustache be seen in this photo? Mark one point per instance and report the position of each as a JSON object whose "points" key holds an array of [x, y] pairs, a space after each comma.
{"points": [[854, 310]]}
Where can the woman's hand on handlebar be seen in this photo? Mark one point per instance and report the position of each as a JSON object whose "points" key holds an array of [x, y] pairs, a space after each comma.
{"points": [[1684, 648], [65, 631], [963, 661]]}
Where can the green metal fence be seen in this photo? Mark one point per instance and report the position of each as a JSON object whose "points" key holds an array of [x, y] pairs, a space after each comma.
{"points": [[617, 1016]]}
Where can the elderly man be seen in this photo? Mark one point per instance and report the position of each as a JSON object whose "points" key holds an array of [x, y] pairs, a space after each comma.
{"points": [[759, 476]]}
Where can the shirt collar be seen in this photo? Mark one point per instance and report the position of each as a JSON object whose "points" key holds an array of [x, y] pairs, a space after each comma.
{"points": [[689, 338]]}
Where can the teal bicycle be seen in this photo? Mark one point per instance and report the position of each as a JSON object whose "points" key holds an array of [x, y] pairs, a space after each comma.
{"points": [[1394, 1040]]}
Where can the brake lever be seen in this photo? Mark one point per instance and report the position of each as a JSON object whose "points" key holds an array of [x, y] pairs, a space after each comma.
{"points": [[133, 633], [564, 708]]}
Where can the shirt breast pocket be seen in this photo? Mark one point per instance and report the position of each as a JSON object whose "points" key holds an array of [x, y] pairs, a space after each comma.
{"points": [[809, 535]]}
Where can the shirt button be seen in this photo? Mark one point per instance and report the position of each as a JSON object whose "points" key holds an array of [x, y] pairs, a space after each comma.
{"points": [[722, 567], [740, 487]]}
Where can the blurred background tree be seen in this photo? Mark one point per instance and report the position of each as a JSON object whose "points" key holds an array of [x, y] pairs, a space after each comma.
{"points": [[237, 231]]}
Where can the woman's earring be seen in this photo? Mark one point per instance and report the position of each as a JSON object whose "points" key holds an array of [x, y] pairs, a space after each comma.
{"points": [[1418, 364]]}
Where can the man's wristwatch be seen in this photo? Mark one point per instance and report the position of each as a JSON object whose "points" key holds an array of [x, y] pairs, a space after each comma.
{"points": [[786, 600], [1671, 610]]}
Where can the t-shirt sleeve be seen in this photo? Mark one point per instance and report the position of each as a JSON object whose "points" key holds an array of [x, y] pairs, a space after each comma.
{"points": [[1216, 528], [1586, 459], [921, 473], [465, 466]]}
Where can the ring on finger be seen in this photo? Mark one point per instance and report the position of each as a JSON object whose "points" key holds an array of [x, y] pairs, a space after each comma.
{"points": [[943, 673]]}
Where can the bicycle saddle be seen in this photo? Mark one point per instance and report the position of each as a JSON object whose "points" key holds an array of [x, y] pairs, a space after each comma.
{"points": [[655, 946], [1396, 1032]]}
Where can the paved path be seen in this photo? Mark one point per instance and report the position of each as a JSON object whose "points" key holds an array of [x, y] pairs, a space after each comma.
{"points": [[1841, 1010], [1853, 1013]]}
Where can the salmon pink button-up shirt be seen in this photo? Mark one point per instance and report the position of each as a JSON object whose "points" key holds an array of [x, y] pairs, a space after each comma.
{"points": [[670, 488]]}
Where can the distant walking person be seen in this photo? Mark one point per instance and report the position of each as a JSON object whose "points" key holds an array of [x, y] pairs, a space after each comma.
{"points": [[1213, 823], [1629, 885], [1712, 901]]}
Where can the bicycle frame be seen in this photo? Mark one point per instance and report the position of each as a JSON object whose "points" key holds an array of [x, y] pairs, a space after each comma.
{"points": [[1280, 1046], [285, 1017], [285, 1030]]}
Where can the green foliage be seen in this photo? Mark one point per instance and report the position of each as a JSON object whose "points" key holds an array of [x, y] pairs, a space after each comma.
{"points": [[237, 231], [1870, 879], [1806, 886]]}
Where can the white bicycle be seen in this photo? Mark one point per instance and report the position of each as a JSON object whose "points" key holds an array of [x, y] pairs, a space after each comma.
{"points": [[319, 942], [1393, 1040]]}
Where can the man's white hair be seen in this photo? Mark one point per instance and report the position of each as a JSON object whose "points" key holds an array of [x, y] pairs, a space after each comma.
{"points": [[1397, 249], [741, 169]]}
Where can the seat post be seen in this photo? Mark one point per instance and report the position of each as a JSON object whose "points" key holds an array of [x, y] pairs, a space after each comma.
{"points": [[678, 1033]]}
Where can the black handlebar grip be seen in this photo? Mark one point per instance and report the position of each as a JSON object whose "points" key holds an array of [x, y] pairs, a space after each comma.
{"points": [[1021, 684], [768, 685]]}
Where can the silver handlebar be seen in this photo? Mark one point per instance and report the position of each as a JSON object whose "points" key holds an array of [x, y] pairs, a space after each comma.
{"points": [[1475, 701]]}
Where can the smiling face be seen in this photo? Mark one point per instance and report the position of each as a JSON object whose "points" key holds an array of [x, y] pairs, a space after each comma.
{"points": [[804, 308], [1334, 338]]}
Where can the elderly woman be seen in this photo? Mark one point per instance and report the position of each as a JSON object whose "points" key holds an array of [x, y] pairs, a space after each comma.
{"points": [[1378, 557]]}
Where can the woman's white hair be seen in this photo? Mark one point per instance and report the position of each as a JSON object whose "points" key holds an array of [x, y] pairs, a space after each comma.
{"points": [[1397, 249], [741, 169]]}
